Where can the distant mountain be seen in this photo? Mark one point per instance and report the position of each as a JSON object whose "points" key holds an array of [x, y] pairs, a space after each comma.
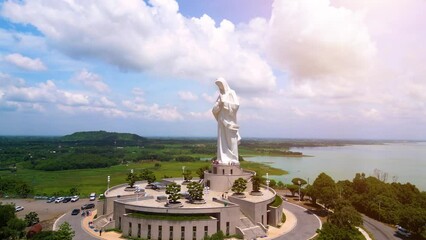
{"points": [[102, 136]]}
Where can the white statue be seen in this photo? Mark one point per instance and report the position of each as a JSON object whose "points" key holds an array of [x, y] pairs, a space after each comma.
{"points": [[225, 112]]}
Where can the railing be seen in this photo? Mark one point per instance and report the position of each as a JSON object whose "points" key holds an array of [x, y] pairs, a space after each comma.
{"points": [[265, 229]]}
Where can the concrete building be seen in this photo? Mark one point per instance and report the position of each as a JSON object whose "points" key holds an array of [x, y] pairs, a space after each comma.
{"points": [[145, 214]]}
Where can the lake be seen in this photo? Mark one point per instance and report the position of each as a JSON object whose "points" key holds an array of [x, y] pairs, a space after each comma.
{"points": [[405, 162]]}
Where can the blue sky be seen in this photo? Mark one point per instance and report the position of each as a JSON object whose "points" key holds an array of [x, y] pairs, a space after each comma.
{"points": [[302, 69]]}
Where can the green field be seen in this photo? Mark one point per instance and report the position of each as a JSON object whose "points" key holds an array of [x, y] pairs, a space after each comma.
{"points": [[95, 180]]}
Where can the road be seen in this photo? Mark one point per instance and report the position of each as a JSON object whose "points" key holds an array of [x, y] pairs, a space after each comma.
{"points": [[75, 222], [379, 230], [306, 226]]}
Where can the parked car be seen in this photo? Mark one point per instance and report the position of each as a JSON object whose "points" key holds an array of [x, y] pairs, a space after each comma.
{"points": [[402, 231], [75, 198], [59, 199], [51, 199], [92, 196], [18, 208], [87, 206], [75, 211], [66, 199]]}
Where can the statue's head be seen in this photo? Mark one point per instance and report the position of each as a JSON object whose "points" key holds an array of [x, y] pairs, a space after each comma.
{"points": [[222, 85]]}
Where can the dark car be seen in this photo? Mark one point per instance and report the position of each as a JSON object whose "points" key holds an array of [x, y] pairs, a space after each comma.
{"points": [[87, 206], [75, 211], [50, 200], [67, 199]]}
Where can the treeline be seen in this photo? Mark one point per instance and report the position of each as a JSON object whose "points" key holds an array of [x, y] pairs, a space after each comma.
{"points": [[393, 203], [14, 187]]}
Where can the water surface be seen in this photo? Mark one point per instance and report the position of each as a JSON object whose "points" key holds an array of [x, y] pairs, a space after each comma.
{"points": [[405, 162]]}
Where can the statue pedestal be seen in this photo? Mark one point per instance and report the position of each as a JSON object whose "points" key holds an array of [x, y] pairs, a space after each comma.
{"points": [[221, 177]]}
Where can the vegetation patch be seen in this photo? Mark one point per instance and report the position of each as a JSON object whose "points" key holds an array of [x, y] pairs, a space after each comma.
{"points": [[277, 201], [170, 217]]}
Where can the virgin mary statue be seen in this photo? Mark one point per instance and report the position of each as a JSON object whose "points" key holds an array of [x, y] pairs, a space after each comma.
{"points": [[225, 111]]}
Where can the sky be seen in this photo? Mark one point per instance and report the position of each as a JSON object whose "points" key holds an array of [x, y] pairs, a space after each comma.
{"points": [[336, 69]]}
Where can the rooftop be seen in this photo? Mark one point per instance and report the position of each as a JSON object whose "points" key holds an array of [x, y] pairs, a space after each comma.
{"points": [[209, 195]]}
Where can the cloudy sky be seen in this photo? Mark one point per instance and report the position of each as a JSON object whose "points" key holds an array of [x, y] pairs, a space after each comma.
{"points": [[302, 68]]}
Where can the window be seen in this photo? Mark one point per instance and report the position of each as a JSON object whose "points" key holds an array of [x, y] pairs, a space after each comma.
{"points": [[149, 232], [231, 171], [130, 229], [139, 230], [160, 232], [194, 233], [262, 219], [182, 233], [227, 228], [171, 233], [119, 223], [206, 231], [223, 171]]}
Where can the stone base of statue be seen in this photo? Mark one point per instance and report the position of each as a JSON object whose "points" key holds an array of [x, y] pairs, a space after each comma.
{"points": [[221, 177]]}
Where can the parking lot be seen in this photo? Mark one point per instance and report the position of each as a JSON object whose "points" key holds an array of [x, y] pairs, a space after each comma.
{"points": [[47, 212]]}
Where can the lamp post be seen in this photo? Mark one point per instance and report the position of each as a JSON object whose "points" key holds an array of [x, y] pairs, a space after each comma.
{"points": [[108, 180], [267, 180], [183, 172], [298, 182]]}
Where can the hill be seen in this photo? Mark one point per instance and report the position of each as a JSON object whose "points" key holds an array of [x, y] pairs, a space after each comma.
{"points": [[102, 136]]}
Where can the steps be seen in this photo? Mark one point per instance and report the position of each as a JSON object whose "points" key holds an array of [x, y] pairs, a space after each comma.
{"points": [[250, 231], [102, 221]]}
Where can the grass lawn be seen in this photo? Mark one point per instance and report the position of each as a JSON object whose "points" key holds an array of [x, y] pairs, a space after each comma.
{"points": [[95, 180]]}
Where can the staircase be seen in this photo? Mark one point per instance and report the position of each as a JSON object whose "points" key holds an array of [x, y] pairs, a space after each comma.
{"points": [[102, 221], [250, 231]]}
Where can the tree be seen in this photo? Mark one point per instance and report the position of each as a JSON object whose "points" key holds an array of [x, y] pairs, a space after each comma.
{"points": [[239, 186], [296, 181], [31, 218], [173, 190], [11, 227], [324, 189], [201, 170], [187, 175], [195, 190], [280, 185], [345, 215], [15, 228], [64, 232], [147, 175], [74, 191], [293, 189], [256, 180], [131, 179], [333, 232], [272, 183]]}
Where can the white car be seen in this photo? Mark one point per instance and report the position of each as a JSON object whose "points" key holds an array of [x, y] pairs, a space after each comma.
{"points": [[92, 197], [402, 231], [18, 208], [75, 198], [59, 199]]}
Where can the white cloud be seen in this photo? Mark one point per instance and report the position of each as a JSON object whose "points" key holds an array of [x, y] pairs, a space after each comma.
{"points": [[313, 40], [209, 98], [154, 37], [25, 62], [187, 96], [139, 108], [90, 80]]}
